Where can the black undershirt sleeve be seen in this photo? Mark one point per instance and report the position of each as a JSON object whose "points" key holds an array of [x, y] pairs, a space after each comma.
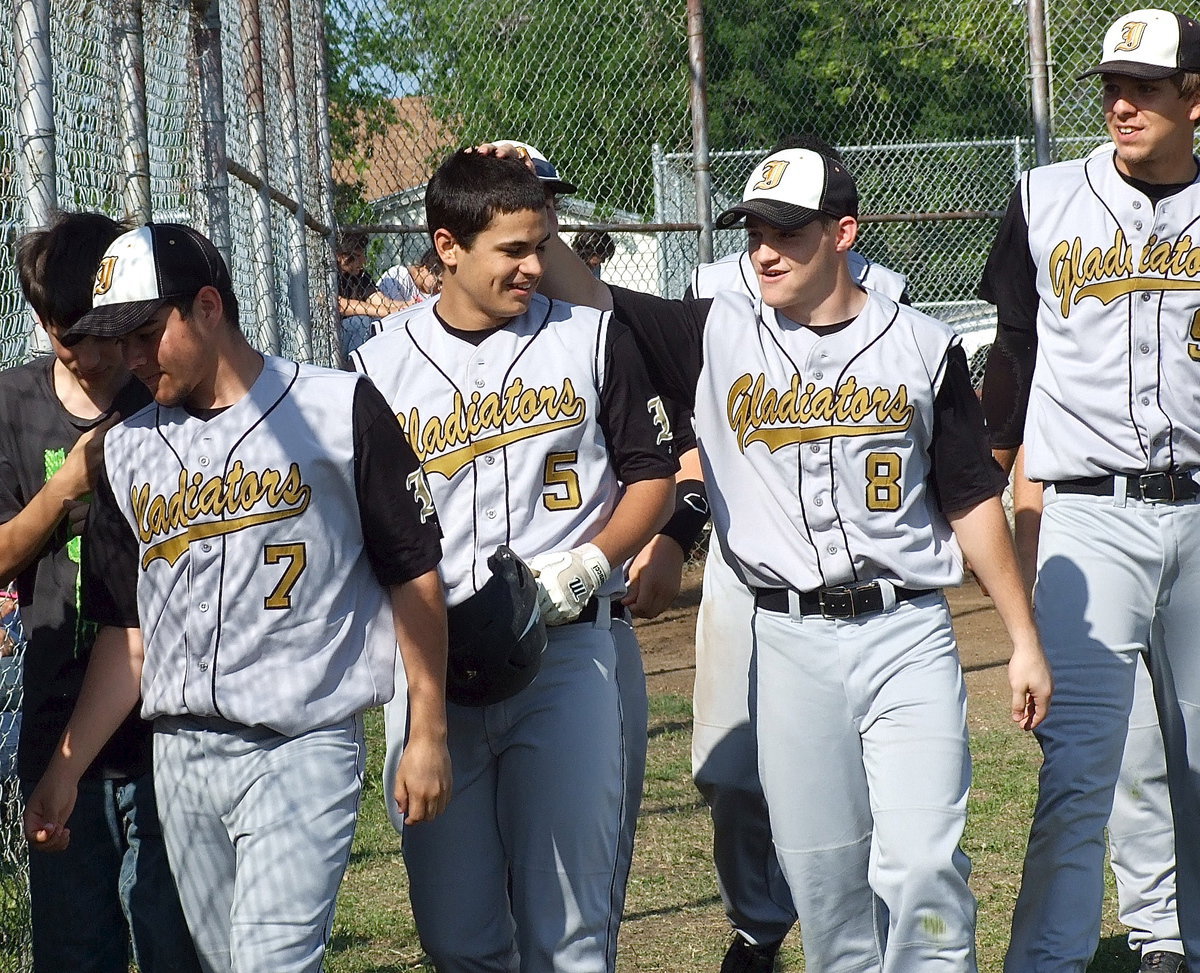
{"points": [[1010, 282], [963, 472], [670, 336], [638, 434], [401, 533], [109, 570]]}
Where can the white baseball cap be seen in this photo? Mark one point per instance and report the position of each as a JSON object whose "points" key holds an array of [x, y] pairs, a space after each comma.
{"points": [[791, 188], [141, 271], [1149, 44], [542, 166]]}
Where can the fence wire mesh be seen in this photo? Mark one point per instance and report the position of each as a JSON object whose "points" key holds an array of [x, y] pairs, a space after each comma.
{"points": [[251, 108]]}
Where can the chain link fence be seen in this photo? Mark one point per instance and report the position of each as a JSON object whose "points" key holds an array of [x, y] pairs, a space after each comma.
{"points": [[173, 111], [223, 117]]}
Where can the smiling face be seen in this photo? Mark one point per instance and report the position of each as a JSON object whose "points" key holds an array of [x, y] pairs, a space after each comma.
{"points": [[95, 363], [1152, 126], [494, 279], [798, 269]]}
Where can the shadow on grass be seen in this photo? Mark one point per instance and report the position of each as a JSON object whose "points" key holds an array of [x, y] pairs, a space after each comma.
{"points": [[674, 726], [703, 903], [1113, 956]]}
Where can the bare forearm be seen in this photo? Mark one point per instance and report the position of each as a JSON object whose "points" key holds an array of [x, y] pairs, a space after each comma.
{"points": [[23, 537], [567, 278], [419, 614], [111, 689], [983, 534], [638, 516], [1027, 519]]}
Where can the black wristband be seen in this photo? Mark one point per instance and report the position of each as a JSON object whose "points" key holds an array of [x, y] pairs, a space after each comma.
{"points": [[690, 516]]}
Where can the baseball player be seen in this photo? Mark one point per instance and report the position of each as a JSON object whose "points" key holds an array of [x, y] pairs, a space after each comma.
{"points": [[1095, 282], [112, 889], [1141, 832], [846, 466], [724, 752], [537, 428], [254, 565]]}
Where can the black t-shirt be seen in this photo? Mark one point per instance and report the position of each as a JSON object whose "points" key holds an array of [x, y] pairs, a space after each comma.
{"points": [[36, 433], [355, 287], [398, 545], [963, 473]]}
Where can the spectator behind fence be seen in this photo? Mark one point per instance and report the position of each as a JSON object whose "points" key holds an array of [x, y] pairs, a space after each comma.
{"points": [[360, 302], [594, 247], [415, 282]]}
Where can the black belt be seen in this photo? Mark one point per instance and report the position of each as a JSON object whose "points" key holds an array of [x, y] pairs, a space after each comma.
{"points": [[591, 611], [836, 601], [1164, 487]]}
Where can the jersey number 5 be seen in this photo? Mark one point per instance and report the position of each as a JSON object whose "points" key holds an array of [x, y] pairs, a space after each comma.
{"points": [[1194, 335], [297, 560], [883, 481], [560, 476]]}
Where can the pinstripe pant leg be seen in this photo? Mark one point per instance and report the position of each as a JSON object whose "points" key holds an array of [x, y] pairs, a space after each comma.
{"points": [[287, 806]]}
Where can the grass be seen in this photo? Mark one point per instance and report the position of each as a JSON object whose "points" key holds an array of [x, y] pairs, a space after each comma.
{"points": [[674, 922]]}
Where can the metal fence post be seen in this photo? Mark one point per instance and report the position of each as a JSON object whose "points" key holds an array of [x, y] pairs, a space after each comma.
{"points": [[325, 164], [698, 96], [35, 115], [131, 70], [256, 126], [1039, 71], [294, 173], [209, 82]]}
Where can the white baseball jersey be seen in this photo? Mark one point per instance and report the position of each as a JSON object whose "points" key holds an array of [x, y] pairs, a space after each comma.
{"points": [[499, 423], [736, 272], [397, 284], [256, 601], [825, 437], [1116, 387]]}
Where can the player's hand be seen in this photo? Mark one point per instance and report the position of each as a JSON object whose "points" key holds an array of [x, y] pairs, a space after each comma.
{"points": [[83, 463], [568, 580], [47, 812], [654, 577], [77, 511], [423, 780], [1032, 685]]}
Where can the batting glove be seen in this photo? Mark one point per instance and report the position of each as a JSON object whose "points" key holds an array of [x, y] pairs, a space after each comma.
{"points": [[568, 580]]}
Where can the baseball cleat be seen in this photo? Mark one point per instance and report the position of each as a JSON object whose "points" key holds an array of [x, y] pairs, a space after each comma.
{"points": [[745, 957], [1162, 961]]}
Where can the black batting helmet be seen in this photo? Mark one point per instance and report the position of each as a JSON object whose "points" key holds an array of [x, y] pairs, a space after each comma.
{"points": [[497, 636]]}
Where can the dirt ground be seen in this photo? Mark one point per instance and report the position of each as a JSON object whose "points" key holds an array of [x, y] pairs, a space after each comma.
{"points": [[668, 642]]}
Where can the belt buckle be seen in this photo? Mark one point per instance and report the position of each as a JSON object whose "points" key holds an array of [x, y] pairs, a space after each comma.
{"points": [[837, 602], [1166, 487]]}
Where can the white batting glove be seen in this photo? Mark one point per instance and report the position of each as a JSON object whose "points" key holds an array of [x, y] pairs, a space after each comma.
{"points": [[568, 580]]}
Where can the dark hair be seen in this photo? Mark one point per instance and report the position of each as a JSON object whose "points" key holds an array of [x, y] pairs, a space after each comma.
{"points": [[594, 243], [430, 261], [470, 189], [57, 265], [806, 140], [229, 302], [351, 241]]}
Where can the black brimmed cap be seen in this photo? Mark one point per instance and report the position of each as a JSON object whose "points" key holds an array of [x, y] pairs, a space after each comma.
{"points": [[142, 271], [1151, 45], [791, 188]]}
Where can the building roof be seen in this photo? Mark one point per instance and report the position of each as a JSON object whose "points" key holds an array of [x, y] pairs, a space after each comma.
{"points": [[401, 155]]}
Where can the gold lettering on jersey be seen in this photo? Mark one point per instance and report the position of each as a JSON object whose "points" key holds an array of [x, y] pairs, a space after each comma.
{"points": [[806, 413], [201, 508], [446, 444], [1109, 273]]}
